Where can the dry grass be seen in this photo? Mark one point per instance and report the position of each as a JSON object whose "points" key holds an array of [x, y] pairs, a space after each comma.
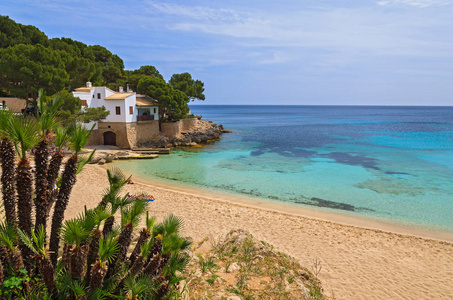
{"points": [[240, 266]]}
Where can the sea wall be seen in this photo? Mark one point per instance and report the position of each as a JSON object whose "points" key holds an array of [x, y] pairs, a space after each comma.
{"points": [[173, 130], [142, 132]]}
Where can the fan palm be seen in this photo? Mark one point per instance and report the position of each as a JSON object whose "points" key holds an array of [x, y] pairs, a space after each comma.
{"points": [[129, 219], [61, 138], [78, 138], [99, 215], [116, 203], [46, 121], [8, 241], [108, 249], [75, 233], [38, 245], [8, 158], [24, 134], [145, 233]]}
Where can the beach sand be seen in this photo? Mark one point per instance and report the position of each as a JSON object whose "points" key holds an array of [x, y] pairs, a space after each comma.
{"points": [[357, 262]]}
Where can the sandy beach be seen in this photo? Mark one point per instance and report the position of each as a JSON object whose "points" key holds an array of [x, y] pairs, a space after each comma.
{"points": [[357, 262]]}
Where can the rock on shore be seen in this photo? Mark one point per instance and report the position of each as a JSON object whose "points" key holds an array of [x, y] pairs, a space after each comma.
{"points": [[204, 132]]}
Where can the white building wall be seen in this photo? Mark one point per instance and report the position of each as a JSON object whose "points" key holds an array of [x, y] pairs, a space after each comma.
{"points": [[110, 105], [130, 101]]}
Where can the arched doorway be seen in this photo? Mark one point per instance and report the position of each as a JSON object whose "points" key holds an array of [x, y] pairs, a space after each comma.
{"points": [[109, 138]]}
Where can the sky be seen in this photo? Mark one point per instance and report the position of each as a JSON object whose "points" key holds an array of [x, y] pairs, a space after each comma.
{"points": [[292, 52]]}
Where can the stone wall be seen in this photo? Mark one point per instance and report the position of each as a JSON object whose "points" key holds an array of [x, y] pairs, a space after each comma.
{"points": [[174, 129], [119, 129], [134, 135], [188, 124], [141, 133], [128, 135]]}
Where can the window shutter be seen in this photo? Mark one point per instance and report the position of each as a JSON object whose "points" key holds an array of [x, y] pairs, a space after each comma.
{"points": [[118, 110]]}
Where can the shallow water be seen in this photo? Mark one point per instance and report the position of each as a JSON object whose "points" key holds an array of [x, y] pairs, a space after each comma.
{"points": [[393, 163]]}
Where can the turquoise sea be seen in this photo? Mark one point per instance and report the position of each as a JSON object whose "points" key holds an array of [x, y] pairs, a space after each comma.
{"points": [[390, 163]]}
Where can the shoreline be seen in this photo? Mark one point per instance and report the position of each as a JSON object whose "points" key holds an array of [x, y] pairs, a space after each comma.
{"points": [[357, 262], [335, 216]]}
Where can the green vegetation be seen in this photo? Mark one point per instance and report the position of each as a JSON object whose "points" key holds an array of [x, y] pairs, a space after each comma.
{"points": [[29, 61], [239, 265], [86, 257]]}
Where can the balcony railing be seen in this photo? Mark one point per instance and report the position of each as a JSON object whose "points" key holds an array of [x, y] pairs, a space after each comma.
{"points": [[145, 118]]}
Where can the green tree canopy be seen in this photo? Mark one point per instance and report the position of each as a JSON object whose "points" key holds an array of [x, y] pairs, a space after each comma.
{"points": [[192, 88], [173, 103], [71, 110], [26, 68]]}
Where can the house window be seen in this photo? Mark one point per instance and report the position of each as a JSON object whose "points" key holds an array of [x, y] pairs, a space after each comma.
{"points": [[118, 110], [84, 103], [93, 96], [131, 110], [154, 110], [99, 95]]}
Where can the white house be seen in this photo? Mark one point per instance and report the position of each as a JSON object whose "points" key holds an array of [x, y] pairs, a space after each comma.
{"points": [[133, 117]]}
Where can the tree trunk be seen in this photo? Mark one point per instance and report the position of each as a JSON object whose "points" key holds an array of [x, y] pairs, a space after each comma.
{"points": [[8, 155], [52, 175], [97, 276], [66, 256], [93, 253], [108, 225], [41, 185], [135, 269], [24, 183], [1, 274], [124, 240], [48, 273], [68, 181], [144, 235], [78, 261]]}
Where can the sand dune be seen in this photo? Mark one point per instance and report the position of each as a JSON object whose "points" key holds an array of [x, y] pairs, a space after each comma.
{"points": [[358, 262]]}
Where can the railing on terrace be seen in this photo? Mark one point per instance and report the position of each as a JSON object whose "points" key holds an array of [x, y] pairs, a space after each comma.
{"points": [[145, 118]]}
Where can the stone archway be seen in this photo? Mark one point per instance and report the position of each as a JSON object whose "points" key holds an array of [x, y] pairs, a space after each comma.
{"points": [[110, 138]]}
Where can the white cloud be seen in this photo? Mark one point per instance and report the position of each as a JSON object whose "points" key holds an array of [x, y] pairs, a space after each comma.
{"points": [[417, 3], [196, 12]]}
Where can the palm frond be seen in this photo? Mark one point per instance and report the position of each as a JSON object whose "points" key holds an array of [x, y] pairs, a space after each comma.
{"points": [[5, 119], [78, 289], [100, 214], [8, 235], [108, 248], [132, 214], [79, 137], [146, 247], [139, 287], [177, 262], [149, 222], [37, 242], [61, 136], [172, 225], [83, 161], [174, 243], [74, 232], [24, 134]]}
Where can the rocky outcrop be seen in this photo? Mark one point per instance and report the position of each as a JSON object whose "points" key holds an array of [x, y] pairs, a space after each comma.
{"points": [[203, 133]]}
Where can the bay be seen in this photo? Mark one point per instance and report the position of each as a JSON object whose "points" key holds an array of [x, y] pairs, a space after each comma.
{"points": [[389, 163]]}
